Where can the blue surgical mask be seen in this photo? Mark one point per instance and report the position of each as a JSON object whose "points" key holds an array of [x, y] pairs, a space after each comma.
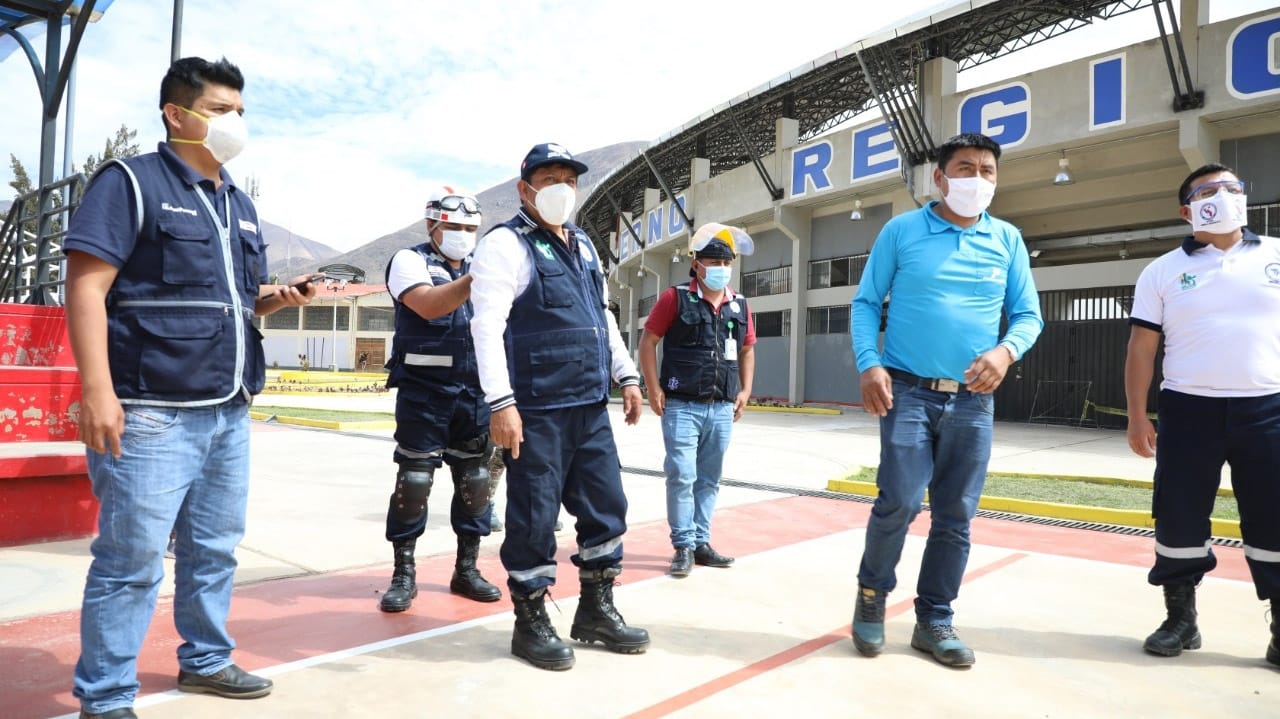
{"points": [[717, 278]]}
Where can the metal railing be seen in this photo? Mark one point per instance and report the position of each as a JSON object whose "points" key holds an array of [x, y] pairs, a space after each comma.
{"points": [[31, 259]]}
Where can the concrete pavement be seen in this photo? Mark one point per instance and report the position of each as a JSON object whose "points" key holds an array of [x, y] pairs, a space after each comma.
{"points": [[1041, 604]]}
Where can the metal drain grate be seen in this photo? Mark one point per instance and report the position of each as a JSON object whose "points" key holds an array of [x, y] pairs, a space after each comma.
{"points": [[984, 513]]}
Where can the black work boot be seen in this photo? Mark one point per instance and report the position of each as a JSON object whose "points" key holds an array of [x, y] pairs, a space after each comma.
{"points": [[1179, 630], [597, 620], [534, 638], [399, 596], [1273, 649], [466, 578]]}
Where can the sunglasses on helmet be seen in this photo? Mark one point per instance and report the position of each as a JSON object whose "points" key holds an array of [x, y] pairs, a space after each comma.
{"points": [[453, 203]]}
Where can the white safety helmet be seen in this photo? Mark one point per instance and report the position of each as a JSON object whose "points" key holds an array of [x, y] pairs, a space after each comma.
{"points": [[445, 204], [735, 239]]}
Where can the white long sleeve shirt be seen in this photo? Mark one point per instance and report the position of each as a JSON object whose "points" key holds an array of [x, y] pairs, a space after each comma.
{"points": [[500, 272]]}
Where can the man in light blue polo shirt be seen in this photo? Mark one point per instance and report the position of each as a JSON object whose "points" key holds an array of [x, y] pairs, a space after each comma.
{"points": [[1214, 303], [950, 271]]}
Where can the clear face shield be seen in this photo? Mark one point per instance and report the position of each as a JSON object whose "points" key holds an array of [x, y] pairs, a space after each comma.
{"points": [[736, 238]]}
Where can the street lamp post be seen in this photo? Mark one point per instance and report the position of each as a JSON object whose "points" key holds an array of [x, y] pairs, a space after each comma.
{"points": [[335, 286]]}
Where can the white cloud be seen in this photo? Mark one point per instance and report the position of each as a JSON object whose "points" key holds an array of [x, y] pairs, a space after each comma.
{"points": [[356, 109]]}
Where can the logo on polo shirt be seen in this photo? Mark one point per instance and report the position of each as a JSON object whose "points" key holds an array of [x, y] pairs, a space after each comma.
{"points": [[1273, 273], [182, 210], [1187, 281]]}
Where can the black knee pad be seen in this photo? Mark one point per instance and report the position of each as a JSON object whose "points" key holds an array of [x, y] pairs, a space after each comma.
{"points": [[413, 487], [471, 481]]}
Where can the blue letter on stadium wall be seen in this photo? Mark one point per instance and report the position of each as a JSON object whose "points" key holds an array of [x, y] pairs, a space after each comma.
{"points": [[874, 152], [809, 168], [1106, 92], [1253, 70], [1001, 113], [675, 220], [655, 226]]}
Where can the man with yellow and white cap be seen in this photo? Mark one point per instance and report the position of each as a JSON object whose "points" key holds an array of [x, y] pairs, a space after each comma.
{"points": [[708, 362]]}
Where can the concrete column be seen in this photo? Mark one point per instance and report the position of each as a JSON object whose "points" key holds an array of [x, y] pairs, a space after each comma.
{"points": [[629, 294], [1193, 14], [699, 171], [786, 135], [937, 83], [1198, 141], [795, 223]]}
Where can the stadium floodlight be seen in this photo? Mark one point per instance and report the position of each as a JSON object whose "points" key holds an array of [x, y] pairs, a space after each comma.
{"points": [[1064, 172], [856, 215]]}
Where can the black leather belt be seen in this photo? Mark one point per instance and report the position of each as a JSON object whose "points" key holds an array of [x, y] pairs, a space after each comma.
{"points": [[936, 384]]}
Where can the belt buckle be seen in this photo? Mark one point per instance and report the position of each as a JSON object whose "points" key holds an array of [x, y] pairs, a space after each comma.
{"points": [[945, 385]]}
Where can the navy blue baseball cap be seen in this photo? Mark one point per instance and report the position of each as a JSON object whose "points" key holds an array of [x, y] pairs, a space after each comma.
{"points": [[548, 153]]}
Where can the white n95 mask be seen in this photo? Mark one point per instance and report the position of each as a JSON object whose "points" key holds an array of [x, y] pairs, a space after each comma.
{"points": [[1220, 214], [225, 137], [555, 203]]}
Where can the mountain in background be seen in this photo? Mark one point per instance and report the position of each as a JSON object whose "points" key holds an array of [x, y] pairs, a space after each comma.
{"points": [[289, 254], [498, 204]]}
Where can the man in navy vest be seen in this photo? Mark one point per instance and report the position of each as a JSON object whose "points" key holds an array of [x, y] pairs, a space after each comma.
{"points": [[547, 347], [441, 415], [164, 265], [708, 362]]}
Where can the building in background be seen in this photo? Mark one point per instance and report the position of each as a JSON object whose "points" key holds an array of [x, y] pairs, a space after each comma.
{"points": [[814, 163], [356, 319]]}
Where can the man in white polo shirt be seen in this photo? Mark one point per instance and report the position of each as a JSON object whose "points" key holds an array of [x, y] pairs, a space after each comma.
{"points": [[1216, 301]]}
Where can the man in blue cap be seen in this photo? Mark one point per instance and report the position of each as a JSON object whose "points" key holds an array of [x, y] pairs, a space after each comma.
{"points": [[547, 346], [708, 362]]}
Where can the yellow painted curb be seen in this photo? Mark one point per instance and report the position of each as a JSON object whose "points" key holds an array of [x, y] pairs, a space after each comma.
{"points": [[796, 410], [1113, 481], [1101, 515], [324, 423]]}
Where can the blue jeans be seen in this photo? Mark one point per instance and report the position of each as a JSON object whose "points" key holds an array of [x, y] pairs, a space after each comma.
{"points": [[696, 435], [185, 469], [941, 442]]}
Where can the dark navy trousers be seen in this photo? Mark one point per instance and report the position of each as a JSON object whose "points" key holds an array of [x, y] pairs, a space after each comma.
{"points": [[568, 457], [432, 419], [1197, 436]]}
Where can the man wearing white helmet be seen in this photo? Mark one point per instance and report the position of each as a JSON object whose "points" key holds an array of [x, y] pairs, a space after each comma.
{"points": [[441, 415]]}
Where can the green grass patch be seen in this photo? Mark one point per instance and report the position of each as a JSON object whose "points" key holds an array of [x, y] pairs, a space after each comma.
{"points": [[328, 415], [1062, 490]]}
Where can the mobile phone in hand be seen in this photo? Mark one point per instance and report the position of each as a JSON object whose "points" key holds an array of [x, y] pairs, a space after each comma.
{"points": [[310, 280], [302, 286]]}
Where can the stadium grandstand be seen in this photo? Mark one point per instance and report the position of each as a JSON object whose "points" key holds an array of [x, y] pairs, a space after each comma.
{"points": [[814, 162]]}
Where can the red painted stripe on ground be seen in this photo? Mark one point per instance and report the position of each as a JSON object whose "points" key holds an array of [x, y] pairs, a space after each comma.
{"points": [[295, 618], [290, 619], [688, 698]]}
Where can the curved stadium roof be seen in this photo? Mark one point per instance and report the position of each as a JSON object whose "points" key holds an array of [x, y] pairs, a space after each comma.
{"points": [[877, 72]]}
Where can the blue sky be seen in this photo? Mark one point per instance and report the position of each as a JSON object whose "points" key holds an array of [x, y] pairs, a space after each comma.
{"points": [[354, 116]]}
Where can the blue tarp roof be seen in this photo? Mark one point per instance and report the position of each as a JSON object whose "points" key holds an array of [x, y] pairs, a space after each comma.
{"points": [[29, 17]]}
